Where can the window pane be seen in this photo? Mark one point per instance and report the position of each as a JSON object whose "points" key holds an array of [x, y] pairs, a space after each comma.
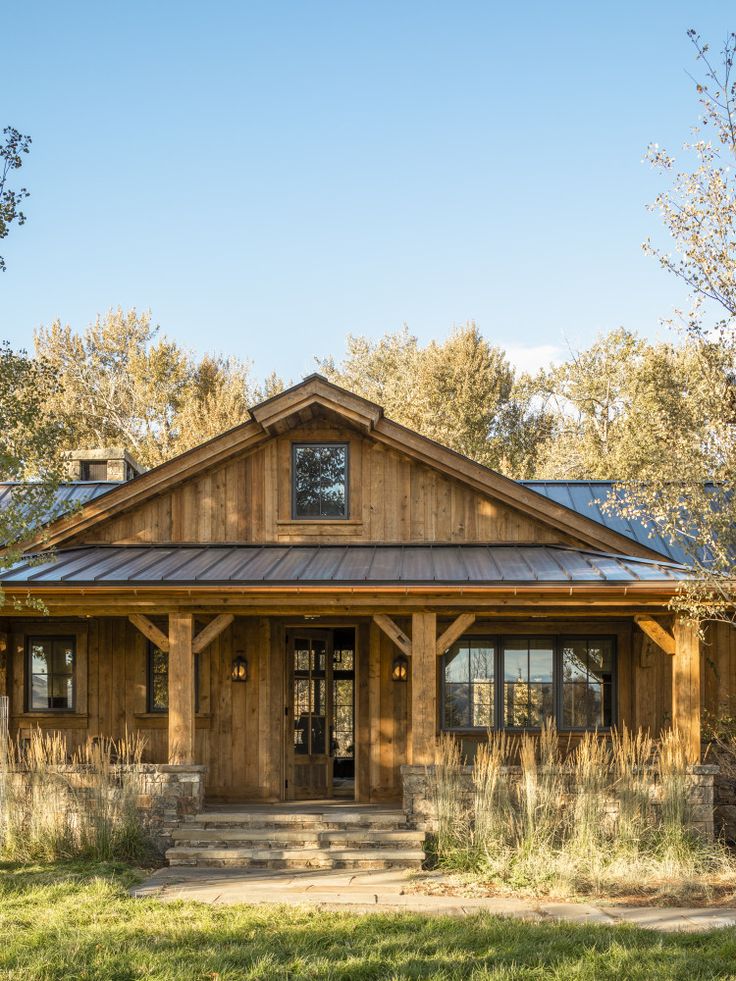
{"points": [[587, 676], [40, 657], [516, 704], [457, 666], [320, 481], [482, 705], [457, 706], [481, 662], [541, 659], [515, 661], [575, 660], [39, 691]]}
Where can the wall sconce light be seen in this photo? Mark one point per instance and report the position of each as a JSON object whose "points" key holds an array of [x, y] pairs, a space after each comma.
{"points": [[240, 668], [400, 670]]}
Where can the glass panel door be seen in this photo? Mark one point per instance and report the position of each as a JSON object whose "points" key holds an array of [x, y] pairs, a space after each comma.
{"points": [[310, 663]]}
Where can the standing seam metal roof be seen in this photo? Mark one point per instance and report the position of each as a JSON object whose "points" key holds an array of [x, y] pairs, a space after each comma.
{"points": [[161, 565]]}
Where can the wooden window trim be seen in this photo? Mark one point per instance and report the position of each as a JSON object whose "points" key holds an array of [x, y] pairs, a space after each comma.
{"points": [[336, 519], [18, 667]]}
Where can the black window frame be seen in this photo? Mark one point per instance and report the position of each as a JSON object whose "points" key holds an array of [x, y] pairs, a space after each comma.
{"points": [[556, 642], [152, 709], [295, 516], [32, 639], [492, 641]]}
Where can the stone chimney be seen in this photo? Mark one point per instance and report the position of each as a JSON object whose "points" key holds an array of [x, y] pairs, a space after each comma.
{"points": [[111, 463]]}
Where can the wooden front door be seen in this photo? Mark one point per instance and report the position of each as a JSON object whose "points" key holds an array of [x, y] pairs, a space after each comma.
{"points": [[309, 715]]}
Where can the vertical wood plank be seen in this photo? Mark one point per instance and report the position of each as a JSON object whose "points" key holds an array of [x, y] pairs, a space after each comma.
{"points": [[424, 687], [686, 685], [181, 688]]}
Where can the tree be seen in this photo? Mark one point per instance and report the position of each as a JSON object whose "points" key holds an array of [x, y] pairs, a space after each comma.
{"points": [[12, 149], [123, 384], [30, 438], [462, 392], [690, 489], [624, 403]]}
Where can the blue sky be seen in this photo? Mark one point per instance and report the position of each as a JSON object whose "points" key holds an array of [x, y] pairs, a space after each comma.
{"points": [[267, 177]]}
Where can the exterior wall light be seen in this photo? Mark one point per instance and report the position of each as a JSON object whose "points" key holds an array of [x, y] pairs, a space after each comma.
{"points": [[400, 670], [240, 668]]}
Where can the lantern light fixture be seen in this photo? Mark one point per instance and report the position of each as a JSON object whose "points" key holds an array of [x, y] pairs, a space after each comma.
{"points": [[240, 668], [400, 670]]}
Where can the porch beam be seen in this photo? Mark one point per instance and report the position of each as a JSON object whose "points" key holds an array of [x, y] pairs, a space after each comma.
{"points": [[424, 688], [456, 629], [181, 689], [686, 685], [211, 632], [149, 629], [393, 632], [656, 632]]}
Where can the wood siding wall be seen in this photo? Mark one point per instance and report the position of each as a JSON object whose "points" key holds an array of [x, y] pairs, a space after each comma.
{"points": [[240, 728], [392, 499]]}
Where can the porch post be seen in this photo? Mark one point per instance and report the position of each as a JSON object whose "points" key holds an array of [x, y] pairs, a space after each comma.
{"points": [[686, 685], [423, 687], [181, 689]]}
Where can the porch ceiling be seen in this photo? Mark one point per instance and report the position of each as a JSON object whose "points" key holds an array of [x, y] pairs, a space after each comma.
{"points": [[341, 565]]}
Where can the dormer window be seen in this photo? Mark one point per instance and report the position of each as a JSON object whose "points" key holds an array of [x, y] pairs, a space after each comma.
{"points": [[320, 480]]}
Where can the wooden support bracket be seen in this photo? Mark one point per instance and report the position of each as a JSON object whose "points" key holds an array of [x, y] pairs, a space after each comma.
{"points": [[456, 629], [150, 630], [394, 633], [656, 632], [213, 630]]}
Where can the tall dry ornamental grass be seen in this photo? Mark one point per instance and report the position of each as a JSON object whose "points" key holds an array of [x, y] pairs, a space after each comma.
{"points": [[53, 807], [610, 816]]}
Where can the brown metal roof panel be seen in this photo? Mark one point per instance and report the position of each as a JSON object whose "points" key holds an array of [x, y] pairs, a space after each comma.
{"points": [[385, 563], [448, 565], [263, 565], [417, 564], [580, 566], [543, 563], [478, 565], [325, 564]]}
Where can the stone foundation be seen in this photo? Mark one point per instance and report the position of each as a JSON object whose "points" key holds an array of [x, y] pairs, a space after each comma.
{"points": [[164, 794], [420, 810]]}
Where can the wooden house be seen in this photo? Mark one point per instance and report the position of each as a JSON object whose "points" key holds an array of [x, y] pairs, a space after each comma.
{"points": [[302, 604]]}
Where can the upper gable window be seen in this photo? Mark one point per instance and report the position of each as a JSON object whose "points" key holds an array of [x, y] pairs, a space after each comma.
{"points": [[320, 480]]}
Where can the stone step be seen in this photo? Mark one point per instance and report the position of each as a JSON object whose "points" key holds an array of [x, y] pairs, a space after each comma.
{"points": [[296, 858], [304, 823], [273, 837]]}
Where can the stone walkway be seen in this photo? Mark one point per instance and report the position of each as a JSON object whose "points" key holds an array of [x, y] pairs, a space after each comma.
{"points": [[386, 891]]}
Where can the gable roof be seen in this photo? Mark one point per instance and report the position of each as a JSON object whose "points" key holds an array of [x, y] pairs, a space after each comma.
{"points": [[317, 395]]}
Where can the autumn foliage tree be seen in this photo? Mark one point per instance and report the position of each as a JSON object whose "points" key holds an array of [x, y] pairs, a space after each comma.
{"points": [[121, 382]]}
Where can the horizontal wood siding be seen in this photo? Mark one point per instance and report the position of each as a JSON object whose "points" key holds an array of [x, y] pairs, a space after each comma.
{"points": [[392, 499]]}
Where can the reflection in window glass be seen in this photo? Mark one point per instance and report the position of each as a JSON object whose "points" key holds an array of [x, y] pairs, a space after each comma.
{"points": [[587, 683], [469, 687], [528, 699], [51, 673], [320, 480]]}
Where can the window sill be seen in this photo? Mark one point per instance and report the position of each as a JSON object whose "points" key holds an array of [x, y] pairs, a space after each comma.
{"points": [[55, 718], [160, 720], [298, 522]]}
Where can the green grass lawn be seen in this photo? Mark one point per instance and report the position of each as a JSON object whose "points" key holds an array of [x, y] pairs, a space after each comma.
{"points": [[73, 922]]}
